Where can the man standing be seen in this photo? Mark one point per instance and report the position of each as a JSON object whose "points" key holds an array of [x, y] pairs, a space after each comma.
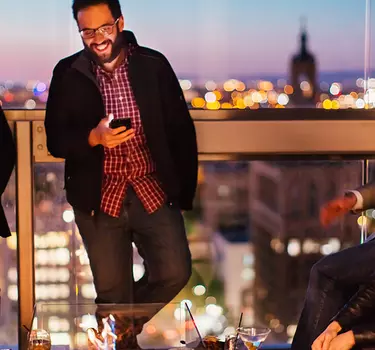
{"points": [[124, 184], [7, 161]]}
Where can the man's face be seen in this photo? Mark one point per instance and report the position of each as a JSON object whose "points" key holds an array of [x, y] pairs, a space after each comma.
{"points": [[103, 45]]}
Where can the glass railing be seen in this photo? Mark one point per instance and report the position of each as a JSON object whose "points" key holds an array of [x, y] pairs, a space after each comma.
{"points": [[254, 233], [254, 222]]}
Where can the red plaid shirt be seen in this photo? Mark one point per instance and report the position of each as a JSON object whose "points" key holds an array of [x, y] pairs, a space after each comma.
{"points": [[129, 163]]}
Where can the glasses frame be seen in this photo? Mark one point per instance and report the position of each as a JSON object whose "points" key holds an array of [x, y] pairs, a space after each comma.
{"points": [[103, 30]]}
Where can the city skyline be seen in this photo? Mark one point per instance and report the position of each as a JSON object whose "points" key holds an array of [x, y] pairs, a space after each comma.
{"points": [[284, 235], [213, 39]]}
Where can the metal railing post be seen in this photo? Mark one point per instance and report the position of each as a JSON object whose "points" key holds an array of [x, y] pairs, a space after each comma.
{"points": [[365, 178], [25, 230]]}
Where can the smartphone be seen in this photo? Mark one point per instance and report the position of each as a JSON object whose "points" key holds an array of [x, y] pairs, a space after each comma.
{"points": [[116, 123]]}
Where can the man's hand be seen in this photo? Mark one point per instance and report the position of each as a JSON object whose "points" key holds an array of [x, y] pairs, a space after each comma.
{"points": [[343, 341], [324, 340], [104, 135], [336, 208]]}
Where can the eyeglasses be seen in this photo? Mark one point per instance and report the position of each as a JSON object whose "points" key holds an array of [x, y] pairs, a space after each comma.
{"points": [[103, 30]]}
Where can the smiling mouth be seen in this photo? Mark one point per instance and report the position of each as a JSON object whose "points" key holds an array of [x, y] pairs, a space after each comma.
{"points": [[101, 47]]}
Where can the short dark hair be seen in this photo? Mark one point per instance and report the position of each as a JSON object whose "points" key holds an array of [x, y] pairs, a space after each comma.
{"points": [[114, 6]]}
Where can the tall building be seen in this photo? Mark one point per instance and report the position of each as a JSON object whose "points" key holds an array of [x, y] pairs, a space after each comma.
{"points": [[303, 73], [285, 199], [225, 213], [235, 266], [225, 194]]}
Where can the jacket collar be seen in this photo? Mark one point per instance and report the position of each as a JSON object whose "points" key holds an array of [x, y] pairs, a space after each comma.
{"points": [[83, 63]]}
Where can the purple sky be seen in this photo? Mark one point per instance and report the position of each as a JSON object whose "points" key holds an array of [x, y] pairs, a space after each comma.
{"points": [[208, 39]]}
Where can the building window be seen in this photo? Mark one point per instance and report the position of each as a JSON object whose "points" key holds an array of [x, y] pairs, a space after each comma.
{"points": [[313, 201], [332, 190], [268, 192]]}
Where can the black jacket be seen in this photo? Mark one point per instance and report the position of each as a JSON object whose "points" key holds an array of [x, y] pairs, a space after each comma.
{"points": [[75, 106], [358, 315], [7, 161]]}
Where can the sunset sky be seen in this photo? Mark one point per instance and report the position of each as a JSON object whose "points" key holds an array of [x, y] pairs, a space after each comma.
{"points": [[203, 38]]}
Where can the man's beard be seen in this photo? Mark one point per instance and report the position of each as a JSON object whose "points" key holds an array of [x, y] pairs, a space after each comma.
{"points": [[116, 47]]}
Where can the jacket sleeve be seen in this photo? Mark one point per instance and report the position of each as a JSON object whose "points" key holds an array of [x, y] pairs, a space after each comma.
{"points": [[364, 334], [63, 139], [359, 307], [181, 134], [368, 194], [7, 152]]}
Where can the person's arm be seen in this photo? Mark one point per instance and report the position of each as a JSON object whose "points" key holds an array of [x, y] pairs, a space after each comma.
{"points": [[365, 197], [7, 152], [364, 334], [358, 206], [63, 139], [359, 307], [348, 321], [181, 134]]}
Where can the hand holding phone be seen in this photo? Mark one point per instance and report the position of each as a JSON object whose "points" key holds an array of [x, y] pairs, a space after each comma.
{"points": [[106, 134], [116, 123]]}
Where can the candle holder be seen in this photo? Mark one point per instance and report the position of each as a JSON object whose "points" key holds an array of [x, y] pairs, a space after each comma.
{"points": [[39, 339]]}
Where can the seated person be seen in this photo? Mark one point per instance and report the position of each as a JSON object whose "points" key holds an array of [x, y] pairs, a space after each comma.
{"points": [[337, 277], [354, 325]]}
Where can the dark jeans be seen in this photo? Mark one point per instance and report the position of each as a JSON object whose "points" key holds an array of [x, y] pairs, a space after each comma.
{"points": [[333, 281], [162, 243]]}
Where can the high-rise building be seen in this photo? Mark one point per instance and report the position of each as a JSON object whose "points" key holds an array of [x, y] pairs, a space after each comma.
{"points": [[235, 266], [225, 194]]}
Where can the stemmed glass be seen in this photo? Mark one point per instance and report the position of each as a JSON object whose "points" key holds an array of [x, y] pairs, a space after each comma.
{"points": [[253, 337]]}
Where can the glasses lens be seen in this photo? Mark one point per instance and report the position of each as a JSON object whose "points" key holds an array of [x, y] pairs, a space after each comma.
{"points": [[87, 33], [106, 30]]}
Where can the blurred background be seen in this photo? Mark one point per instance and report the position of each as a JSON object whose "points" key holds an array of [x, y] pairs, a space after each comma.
{"points": [[254, 233]]}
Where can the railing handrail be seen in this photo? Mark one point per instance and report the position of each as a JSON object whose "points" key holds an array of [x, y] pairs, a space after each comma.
{"points": [[242, 136], [266, 114]]}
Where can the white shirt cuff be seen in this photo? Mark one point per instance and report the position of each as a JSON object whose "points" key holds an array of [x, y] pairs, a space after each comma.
{"points": [[359, 204]]}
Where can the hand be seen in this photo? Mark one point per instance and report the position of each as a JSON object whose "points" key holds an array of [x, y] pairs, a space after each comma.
{"points": [[336, 208], [343, 341], [104, 135], [324, 340]]}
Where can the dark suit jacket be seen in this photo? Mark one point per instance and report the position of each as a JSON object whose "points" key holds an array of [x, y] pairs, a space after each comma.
{"points": [[75, 106], [7, 161]]}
